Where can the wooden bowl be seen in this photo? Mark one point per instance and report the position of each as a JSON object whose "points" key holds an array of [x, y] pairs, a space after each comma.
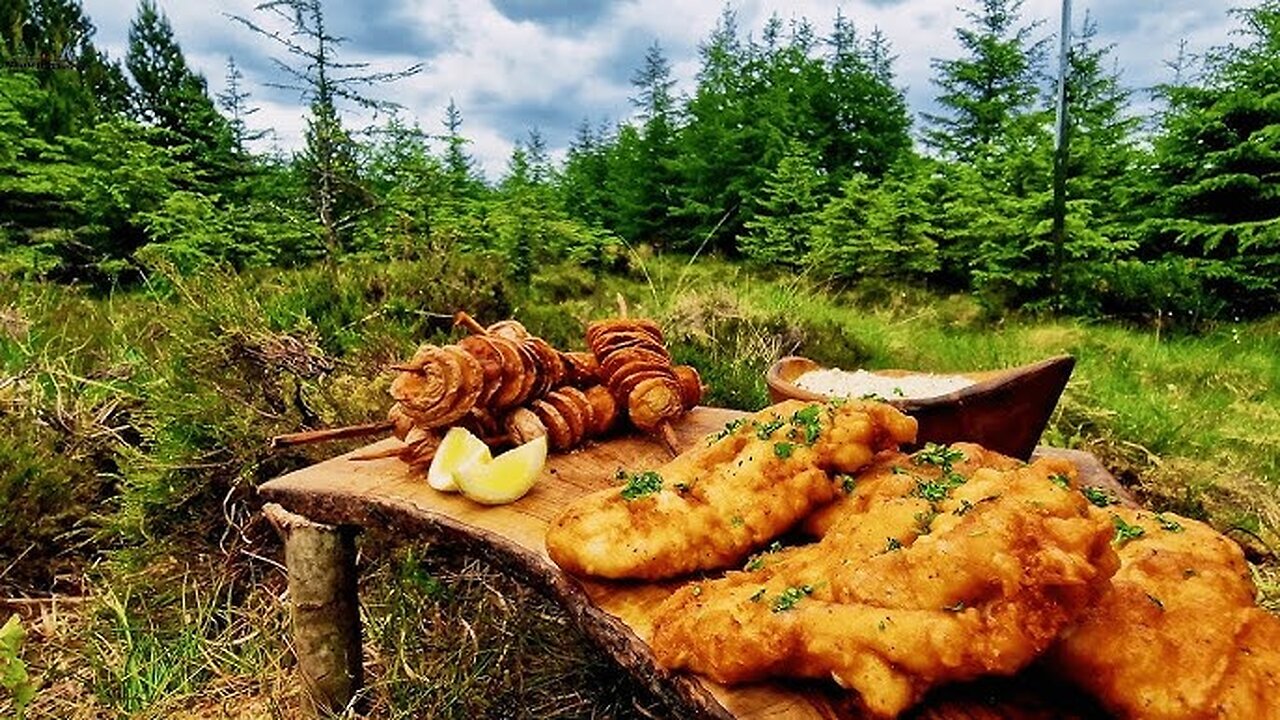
{"points": [[1004, 410]]}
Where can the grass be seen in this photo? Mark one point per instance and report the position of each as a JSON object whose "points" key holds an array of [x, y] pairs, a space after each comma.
{"points": [[132, 435]]}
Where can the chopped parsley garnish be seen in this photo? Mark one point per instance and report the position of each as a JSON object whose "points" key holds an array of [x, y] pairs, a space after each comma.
{"points": [[1167, 524], [924, 521], [941, 455], [737, 521], [873, 396], [1060, 480], [1098, 496], [897, 391], [783, 449], [757, 595], [766, 431], [898, 470], [640, 484], [938, 490], [806, 420], [957, 606], [729, 429], [788, 598], [847, 483], [890, 545], [1124, 531]]}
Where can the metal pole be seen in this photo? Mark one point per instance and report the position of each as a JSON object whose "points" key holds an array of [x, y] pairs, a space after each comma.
{"points": [[1060, 150]]}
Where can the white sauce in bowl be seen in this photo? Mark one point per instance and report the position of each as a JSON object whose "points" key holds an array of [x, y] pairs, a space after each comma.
{"points": [[860, 383]]}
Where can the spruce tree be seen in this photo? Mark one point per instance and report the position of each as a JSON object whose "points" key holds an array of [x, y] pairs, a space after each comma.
{"points": [[1217, 161], [464, 179], [650, 194], [336, 192], [780, 231], [234, 100], [988, 94], [174, 98]]}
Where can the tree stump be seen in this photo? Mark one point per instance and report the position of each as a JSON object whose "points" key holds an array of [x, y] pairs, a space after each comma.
{"points": [[324, 609]]}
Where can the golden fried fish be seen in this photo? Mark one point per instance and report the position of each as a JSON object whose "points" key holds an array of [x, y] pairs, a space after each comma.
{"points": [[953, 578], [714, 504], [1178, 635]]}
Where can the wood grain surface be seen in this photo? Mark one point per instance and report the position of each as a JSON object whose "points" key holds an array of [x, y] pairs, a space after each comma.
{"points": [[385, 493]]}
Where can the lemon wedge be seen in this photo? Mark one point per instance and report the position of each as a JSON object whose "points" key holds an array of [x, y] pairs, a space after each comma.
{"points": [[505, 478], [458, 448]]}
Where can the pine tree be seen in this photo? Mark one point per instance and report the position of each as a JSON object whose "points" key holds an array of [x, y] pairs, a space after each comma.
{"points": [[990, 93], [336, 192], [459, 166], [172, 97], [780, 231], [234, 100], [876, 228], [82, 85], [648, 196], [1217, 160], [867, 126]]}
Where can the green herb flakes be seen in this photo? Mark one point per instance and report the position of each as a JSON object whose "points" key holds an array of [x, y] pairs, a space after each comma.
{"points": [[783, 449], [1124, 531], [1060, 480], [940, 455], [758, 595], [766, 430], [640, 484], [1167, 524], [924, 521], [848, 483], [729, 429], [1098, 496], [890, 545], [788, 598]]}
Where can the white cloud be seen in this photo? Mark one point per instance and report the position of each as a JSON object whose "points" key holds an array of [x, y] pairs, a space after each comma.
{"points": [[509, 75]]}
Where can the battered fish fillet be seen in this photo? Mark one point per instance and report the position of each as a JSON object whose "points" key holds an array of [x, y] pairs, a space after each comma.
{"points": [[946, 581], [890, 469], [711, 506], [1178, 635]]}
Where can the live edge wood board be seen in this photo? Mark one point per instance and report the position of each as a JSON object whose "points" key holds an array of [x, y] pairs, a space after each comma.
{"points": [[385, 494]]}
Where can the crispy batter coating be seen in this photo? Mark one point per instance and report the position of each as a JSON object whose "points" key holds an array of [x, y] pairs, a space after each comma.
{"points": [[943, 582], [1178, 635], [714, 504], [893, 473]]}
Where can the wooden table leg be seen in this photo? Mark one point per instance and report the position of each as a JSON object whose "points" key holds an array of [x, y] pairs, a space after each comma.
{"points": [[324, 607]]}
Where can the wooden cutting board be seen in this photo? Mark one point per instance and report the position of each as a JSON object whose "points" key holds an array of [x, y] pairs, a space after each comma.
{"points": [[385, 494]]}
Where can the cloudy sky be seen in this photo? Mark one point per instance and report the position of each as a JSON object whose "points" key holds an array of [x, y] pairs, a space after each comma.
{"points": [[516, 64]]}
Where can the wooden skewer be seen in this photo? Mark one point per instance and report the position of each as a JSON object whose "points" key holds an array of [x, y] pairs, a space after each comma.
{"points": [[340, 433], [462, 319], [668, 436]]}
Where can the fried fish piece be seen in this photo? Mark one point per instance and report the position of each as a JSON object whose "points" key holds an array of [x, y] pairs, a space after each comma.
{"points": [[894, 472], [1178, 635], [912, 591], [714, 504]]}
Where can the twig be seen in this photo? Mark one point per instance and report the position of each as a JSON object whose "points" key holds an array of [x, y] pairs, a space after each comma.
{"points": [[342, 433]]}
